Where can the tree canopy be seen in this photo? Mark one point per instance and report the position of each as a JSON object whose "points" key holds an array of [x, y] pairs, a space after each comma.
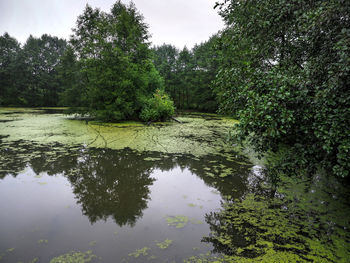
{"points": [[114, 58], [287, 79]]}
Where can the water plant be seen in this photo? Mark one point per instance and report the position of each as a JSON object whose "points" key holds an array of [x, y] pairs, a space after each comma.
{"points": [[165, 244], [177, 221], [43, 241], [139, 252], [74, 257]]}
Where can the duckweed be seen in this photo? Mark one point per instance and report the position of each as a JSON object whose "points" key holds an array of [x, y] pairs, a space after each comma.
{"points": [[165, 244], [43, 241], [74, 257], [140, 252], [177, 221]]}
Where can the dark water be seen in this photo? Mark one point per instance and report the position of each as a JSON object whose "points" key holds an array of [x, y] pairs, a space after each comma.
{"points": [[55, 199]]}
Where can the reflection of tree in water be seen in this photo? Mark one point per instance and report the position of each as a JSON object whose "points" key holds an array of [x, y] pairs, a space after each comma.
{"points": [[114, 183], [109, 183]]}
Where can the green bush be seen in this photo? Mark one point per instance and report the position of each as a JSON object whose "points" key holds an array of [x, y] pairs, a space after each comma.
{"points": [[158, 108]]}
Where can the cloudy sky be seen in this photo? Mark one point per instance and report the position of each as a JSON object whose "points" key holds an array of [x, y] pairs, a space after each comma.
{"points": [[178, 22]]}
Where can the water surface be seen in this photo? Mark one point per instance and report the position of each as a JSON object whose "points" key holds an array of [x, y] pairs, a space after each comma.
{"points": [[60, 192]]}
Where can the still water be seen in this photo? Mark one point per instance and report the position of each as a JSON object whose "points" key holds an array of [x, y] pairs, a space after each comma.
{"points": [[109, 204]]}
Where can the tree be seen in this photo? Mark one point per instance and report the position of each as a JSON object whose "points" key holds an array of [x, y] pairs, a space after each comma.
{"points": [[188, 74], [9, 49], [286, 79], [71, 81], [115, 61], [40, 58], [165, 59], [207, 59]]}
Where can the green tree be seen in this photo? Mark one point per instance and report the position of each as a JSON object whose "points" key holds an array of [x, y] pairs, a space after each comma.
{"points": [[165, 59], [9, 85], [188, 73], [285, 76], [115, 61], [40, 58], [207, 59], [71, 81]]}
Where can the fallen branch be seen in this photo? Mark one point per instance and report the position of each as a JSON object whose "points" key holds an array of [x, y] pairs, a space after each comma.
{"points": [[176, 120]]}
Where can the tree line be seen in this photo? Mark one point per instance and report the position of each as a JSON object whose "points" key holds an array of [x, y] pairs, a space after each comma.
{"points": [[108, 69], [280, 67], [28, 74]]}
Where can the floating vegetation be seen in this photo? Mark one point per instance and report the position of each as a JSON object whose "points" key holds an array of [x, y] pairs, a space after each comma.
{"points": [[92, 243], [10, 250], [115, 232], [177, 221], [181, 221], [152, 159], [42, 183], [191, 205], [165, 244], [215, 192], [194, 136], [184, 196], [34, 260], [152, 257], [303, 222], [203, 258], [74, 257], [196, 222], [140, 252], [43, 241]]}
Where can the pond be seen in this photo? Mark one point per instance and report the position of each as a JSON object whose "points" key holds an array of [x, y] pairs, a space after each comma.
{"points": [[111, 193], [79, 191]]}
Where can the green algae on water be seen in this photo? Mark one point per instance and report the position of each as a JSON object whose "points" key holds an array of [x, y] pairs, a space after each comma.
{"points": [[92, 243], [34, 260], [305, 221], [177, 221], [10, 250], [195, 136], [165, 244], [140, 252], [43, 241], [74, 257]]}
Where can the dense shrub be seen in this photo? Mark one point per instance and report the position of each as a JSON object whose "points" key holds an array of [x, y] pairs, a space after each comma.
{"points": [[158, 108]]}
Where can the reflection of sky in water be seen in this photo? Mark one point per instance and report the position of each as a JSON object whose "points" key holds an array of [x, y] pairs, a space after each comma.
{"points": [[74, 212]]}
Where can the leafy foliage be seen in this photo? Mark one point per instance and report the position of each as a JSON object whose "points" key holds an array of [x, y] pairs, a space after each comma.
{"points": [[28, 75], [159, 107], [188, 74], [285, 77], [115, 61]]}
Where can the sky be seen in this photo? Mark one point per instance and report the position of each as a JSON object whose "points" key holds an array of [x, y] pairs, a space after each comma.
{"points": [[177, 22]]}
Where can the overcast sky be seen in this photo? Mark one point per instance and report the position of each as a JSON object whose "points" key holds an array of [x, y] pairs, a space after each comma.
{"points": [[178, 22]]}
